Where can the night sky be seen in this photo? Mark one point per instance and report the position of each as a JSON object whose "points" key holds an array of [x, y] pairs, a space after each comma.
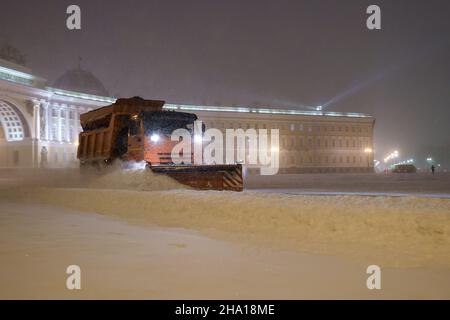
{"points": [[284, 54]]}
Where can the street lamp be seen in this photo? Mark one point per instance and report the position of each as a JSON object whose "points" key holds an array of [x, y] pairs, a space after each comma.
{"points": [[368, 151]]}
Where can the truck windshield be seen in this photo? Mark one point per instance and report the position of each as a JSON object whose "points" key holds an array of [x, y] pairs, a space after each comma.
{"points": [[166, 122]]}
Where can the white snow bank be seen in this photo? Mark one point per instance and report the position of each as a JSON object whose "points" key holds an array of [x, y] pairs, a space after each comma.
{"points": [[382, 230], [135, 177]]}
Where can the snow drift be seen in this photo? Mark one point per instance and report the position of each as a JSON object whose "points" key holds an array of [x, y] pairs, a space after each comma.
{"points": [[406, 231], [134, 177]]}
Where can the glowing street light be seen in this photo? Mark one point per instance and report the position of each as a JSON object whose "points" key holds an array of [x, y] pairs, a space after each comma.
{"points": [[368, 151]]}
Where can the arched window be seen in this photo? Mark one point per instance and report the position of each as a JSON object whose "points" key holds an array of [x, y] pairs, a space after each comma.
{"points": [[11, 122]]}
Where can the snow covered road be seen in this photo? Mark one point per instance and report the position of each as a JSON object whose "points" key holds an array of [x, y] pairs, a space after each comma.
{"points": [[354, 193], [357, 184], [121, 260], [288, 241], [397, 231]]}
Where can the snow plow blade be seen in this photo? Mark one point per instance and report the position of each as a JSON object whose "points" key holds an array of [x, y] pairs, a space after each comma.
{"points": [[205, 177]]}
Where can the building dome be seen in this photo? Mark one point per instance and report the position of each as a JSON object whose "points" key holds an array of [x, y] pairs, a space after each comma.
{"points": [[82, 81]]}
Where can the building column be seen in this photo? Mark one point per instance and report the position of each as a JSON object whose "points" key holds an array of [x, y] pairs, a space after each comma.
{"points": [[76, 121], [36, 134], [36, 119], [68, 138], [58, 124], [44, 105], [50, 122]]}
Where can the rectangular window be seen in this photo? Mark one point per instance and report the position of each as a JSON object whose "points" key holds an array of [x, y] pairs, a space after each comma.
{"points": [[71, 134], [54, 132]]}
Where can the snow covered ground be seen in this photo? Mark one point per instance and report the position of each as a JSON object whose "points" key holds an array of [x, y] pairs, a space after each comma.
{"points": [[290, 244], [120, 260]]}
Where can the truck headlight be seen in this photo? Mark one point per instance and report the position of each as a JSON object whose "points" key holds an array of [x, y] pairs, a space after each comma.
{"points": [[154, 137], [198, 138]]}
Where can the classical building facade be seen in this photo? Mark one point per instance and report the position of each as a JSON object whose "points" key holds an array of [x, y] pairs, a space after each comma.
{"points": [[309, 141], [39, 125]]}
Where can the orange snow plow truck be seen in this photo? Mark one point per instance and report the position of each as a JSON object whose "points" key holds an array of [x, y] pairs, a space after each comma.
{"points": [[136, 130]]}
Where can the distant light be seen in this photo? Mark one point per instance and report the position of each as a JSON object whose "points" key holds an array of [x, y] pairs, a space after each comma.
{"points": [[319, 108], [429, 159], [368, 150], [154, 137], [391, 156]]}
